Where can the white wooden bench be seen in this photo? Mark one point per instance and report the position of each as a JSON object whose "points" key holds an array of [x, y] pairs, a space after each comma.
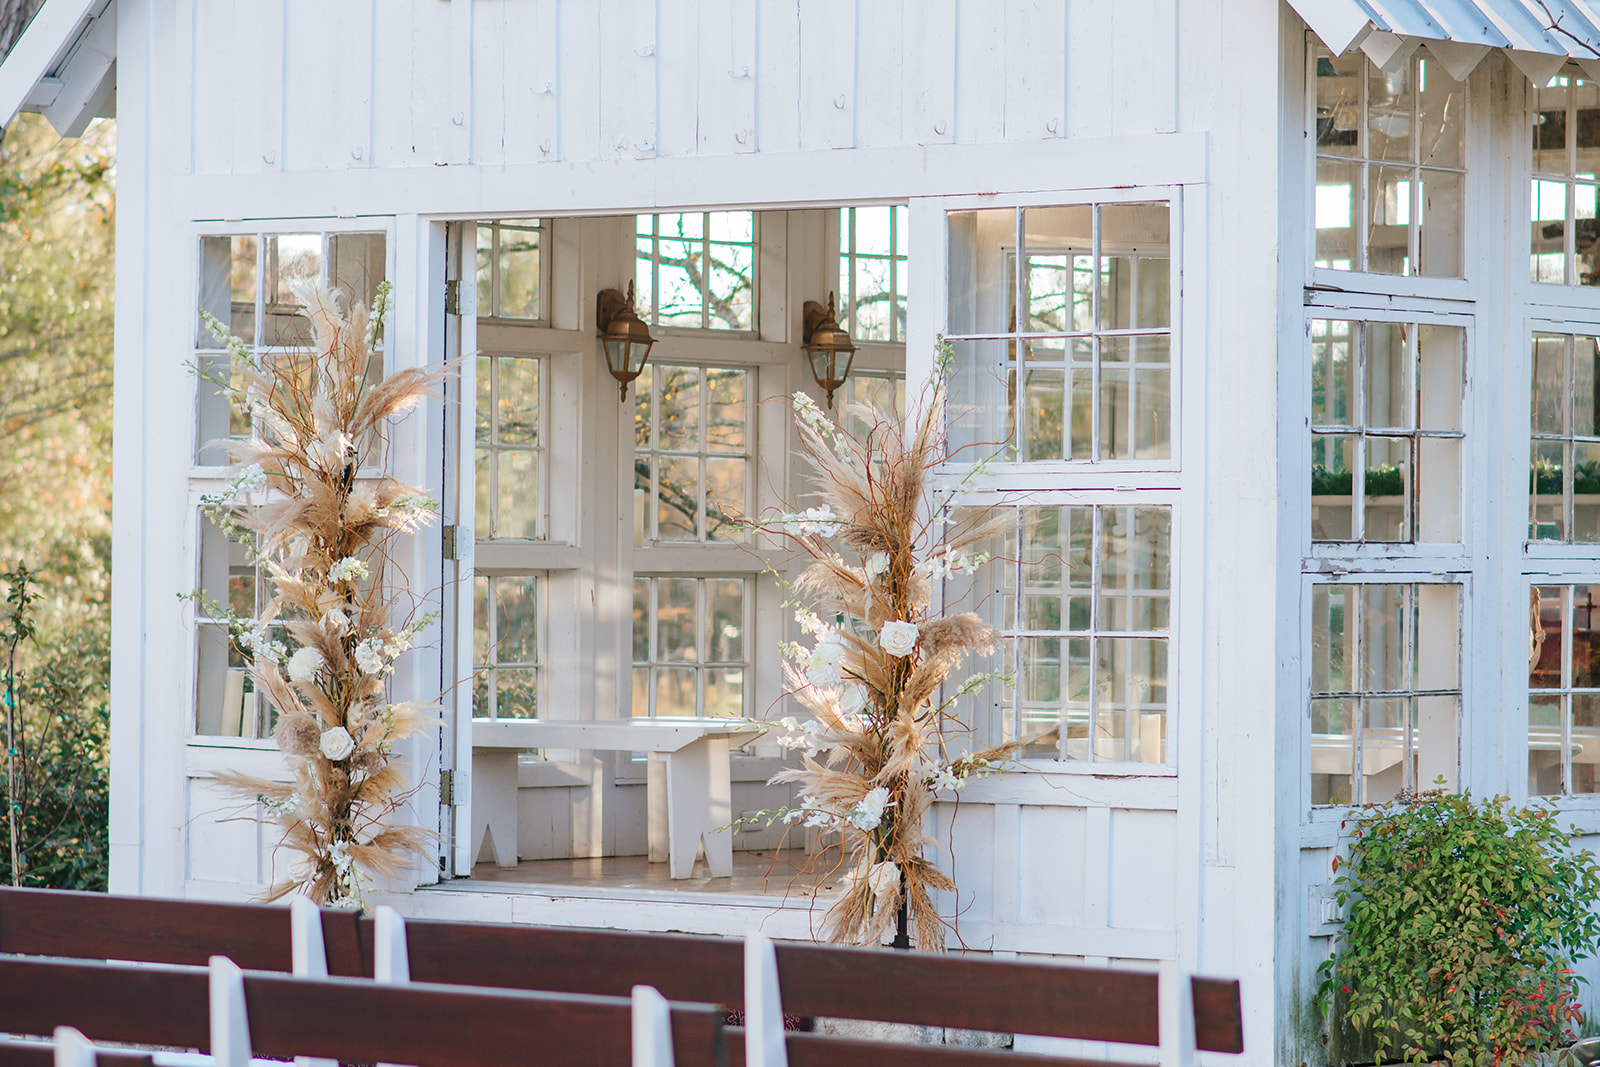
{"points": [[698, 791]]}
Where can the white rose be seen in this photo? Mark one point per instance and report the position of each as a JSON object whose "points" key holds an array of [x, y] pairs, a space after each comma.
{"points": [[875, 564], [304, 664], [853, 699], [336, 743], [368, 658], [823, 671], [868, 812], [883, 879], [898, 638]]}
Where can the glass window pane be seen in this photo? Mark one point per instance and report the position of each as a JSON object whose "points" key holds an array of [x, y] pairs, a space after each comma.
{"points": [[724, 692], [1333, 633], [1333, 368], [519, 511], [1388, 489], [485, 268], [1585, 772], [1382, 627], [1586, 493], [725, 498], [1335, 213], [1043, 420], [1339, 102], [1548, 262], [518, 296], [518, 400], [1545, 483], [1585, 387], [516, 614], [725, 626], [481, 638], [727, 409], [289, 257], [1389, 217], [675, 691], [678, 496], [643, 622], [358, 266], [1442, 102], [1388, 381], [679, 398], [516, 693], [675, 620], [980, 283], [1444, 221], [1332, 477]]}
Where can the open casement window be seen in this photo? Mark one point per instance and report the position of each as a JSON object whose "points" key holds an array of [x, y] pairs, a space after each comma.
{"points": [[1564, 473], [1563, 689], [1565, 197], [1385, 689], [1061, 320], [245, 282], [1085, 599], [1390, 173], [1386, 431], [697, 270]]}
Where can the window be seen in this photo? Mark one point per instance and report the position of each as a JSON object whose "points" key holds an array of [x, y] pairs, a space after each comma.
{"points": [[1386, 431], [689, 651], [511, 269], [1087, 605], [872, 273], [1385, 689], [226, 702], [1564, 481], [1564, 690], [693, 443], [883, 392], [245, 282], [505, 638], [697, 270], [509, 478], [1390, 166], [1565, 247], [1085, 356]]}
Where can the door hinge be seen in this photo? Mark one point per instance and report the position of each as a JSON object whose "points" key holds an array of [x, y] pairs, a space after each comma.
{"points": [[447, 788], [452, 296], [447, 541]]}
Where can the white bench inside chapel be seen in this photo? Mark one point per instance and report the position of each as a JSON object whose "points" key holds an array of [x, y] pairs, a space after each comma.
{"points": [[697, 792]]}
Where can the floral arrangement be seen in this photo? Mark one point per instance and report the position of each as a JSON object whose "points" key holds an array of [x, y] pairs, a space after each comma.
{"points": [[325, 643], [874, 678]]}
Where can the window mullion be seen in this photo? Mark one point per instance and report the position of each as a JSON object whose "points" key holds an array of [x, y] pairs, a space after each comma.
{"points": [[1095, 414]]}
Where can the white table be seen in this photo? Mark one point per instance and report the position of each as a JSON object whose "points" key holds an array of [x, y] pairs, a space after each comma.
{"points": [[699, 793]]}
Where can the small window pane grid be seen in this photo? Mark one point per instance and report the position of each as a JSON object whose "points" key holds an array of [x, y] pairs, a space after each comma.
{"points": [[1566, 177], [690, 656], [872, 272], [696, 270], [1086, 641], [694, 439], [1563, 690], [510, 470], [1385, 688], [511, 269], [505, 647], [1086, 354], [1390, 150], [226, 701], [1386, 431], [245, 282], [885, 393], [1564, 461]]}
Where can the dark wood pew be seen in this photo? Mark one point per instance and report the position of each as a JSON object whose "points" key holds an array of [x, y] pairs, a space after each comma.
{"points": [[99, 926], [352, 1020], [40, 1054]]}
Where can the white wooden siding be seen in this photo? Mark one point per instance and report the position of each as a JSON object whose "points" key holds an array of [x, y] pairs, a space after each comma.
{"points": [[305, 86]]}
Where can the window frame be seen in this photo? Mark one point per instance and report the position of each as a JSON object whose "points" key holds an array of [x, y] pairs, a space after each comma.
{"points": [[653, 663], [841, 239], [1457, 288], [544, 229], [1003, 474], [651, 300]]}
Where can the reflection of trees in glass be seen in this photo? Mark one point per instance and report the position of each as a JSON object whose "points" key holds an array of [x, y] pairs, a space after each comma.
{"points": [[505, 638], [691, 439], [697, 269], [872, 272]]}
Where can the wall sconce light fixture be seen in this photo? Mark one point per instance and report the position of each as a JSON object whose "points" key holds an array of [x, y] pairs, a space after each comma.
{"points": [[626, 338], [828, 347]]}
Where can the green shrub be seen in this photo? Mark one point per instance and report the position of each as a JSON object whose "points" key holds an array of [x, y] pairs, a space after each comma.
{"points": [[1464, 920], [62, 737]]}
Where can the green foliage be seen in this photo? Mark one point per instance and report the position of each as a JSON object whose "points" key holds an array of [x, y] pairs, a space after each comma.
{"points": [[1385, 480], [1464, 919], [62, 741]]}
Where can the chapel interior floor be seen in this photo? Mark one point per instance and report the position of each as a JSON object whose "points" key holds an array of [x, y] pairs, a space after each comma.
{"points": [[791, 873]]}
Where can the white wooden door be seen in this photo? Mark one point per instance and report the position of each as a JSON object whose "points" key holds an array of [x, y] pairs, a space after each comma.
{"points": [[455, 755]]}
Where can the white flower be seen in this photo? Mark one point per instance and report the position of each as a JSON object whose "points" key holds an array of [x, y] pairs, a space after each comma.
{"points": [[336, 743], [304, 664], [336, 622], [898, 638], [368, 657], [875, 564], [251, 479], [819, 522], [349, 569], [852, 699], [883, 879], [944, 778], [948, 563], [823, 671], [868, 812]]}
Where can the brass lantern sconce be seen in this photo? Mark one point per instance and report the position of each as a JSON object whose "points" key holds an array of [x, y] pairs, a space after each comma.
{"points": [[626, 338], [827, 346]]}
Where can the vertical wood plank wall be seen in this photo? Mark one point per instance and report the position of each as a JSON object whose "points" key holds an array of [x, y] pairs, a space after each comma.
{"points": [[304, 86]]}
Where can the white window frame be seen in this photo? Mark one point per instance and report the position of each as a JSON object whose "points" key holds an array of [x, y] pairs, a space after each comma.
{"points": [[542, 226], [650, 300]]}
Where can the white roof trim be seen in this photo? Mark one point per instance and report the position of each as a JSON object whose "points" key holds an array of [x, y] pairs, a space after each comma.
{"points": [[52, 41], [1538, 35]]}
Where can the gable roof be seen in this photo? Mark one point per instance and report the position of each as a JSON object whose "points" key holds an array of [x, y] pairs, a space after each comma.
{"points": [[1539, 36], [64, 65]]}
